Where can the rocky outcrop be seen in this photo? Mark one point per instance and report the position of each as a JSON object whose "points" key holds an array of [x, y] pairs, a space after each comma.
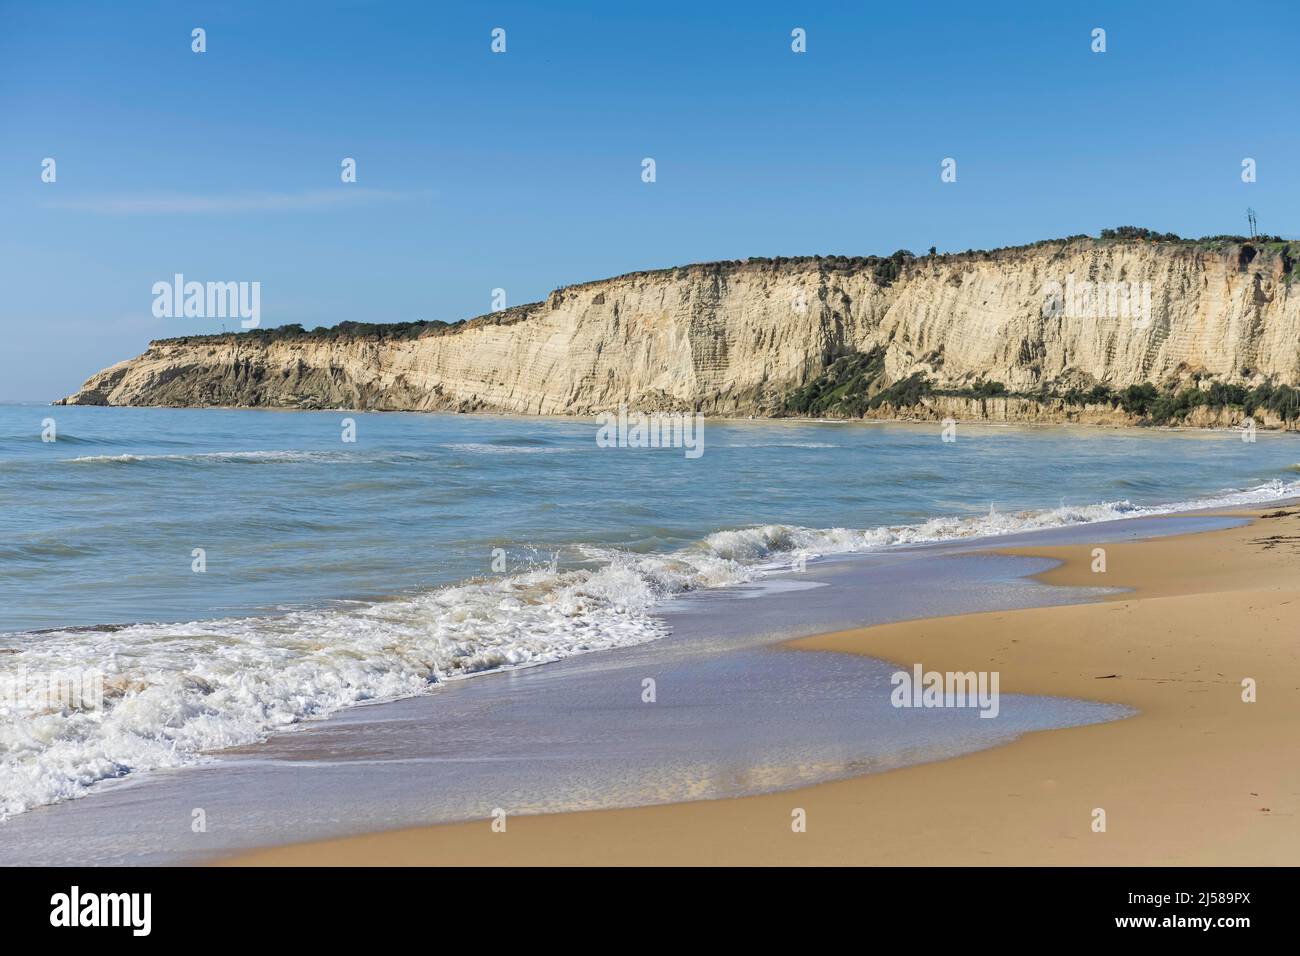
{"points": [[737, 338]]}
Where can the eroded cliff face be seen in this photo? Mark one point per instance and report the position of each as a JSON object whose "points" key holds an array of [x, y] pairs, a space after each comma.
{"points": [[737, 338]]}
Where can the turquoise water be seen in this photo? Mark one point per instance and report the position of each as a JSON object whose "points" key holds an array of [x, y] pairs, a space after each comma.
{"points": [[439, 546], [99, 526]]}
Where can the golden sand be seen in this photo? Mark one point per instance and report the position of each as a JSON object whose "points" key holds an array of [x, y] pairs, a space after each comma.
{"points": [[1199, 776]]}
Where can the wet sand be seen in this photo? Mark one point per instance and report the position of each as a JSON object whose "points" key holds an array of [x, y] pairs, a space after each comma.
{"points": [[1197, 777], [737, 713]]}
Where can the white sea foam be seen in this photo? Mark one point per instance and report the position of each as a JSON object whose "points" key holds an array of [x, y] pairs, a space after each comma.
{"points": [[232, 456], [260, 456], [782, 444], [485, 448], [175, 691]]}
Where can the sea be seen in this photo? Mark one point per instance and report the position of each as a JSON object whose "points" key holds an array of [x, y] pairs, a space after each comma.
{"points": [[227, 579]]}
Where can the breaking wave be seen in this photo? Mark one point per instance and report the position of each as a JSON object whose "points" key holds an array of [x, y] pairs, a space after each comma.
{"points": [[172, 692]]}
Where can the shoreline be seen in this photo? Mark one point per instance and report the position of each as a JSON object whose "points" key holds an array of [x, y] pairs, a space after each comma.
{"points": [[1196, 776], [988, 421]]}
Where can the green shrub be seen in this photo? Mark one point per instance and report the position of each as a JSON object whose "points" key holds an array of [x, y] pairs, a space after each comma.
{"points": [[903, 393], [1138, 399], [842, 387], [1175, 406]]}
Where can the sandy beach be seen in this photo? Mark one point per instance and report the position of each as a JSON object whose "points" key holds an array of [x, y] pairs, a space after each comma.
{"points": [[1197, 776]]}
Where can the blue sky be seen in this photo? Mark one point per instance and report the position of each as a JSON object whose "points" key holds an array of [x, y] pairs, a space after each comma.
{"points": [[522, 170]]}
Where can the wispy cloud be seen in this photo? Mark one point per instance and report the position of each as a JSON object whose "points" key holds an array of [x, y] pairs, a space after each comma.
{"points": [[180, 203]]}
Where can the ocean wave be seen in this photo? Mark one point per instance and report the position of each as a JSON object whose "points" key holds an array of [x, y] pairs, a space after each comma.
{"points": [[782, 444], [506, 448], [759, 546], [173, 692], [269, 456]]}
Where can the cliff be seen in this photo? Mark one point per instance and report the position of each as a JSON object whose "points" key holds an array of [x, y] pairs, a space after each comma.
{"points": [[744, 338]]}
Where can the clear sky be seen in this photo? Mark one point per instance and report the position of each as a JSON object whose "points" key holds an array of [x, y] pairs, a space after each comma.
{"points": [[522, 170]]}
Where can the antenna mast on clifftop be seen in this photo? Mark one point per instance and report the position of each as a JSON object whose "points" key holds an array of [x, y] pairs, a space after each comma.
{"points": [[1250, 218]]}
